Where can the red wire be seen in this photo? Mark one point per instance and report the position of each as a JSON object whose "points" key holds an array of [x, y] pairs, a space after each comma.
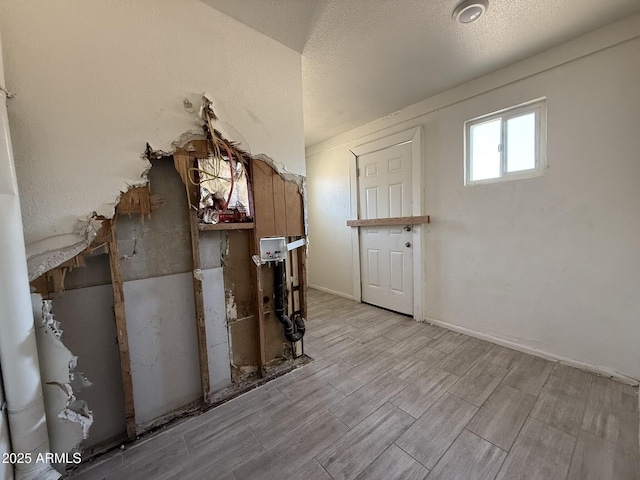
{"points": [[226, 147]]}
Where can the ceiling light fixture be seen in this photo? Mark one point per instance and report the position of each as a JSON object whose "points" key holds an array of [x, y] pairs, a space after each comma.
{"points": [[470, 10]]}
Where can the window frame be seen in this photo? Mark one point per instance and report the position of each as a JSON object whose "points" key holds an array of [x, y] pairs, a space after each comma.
{"points": [[539, 108]]}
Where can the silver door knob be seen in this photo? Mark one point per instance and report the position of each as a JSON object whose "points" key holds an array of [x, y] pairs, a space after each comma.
{"points": [[408, 244], [407, 228]]}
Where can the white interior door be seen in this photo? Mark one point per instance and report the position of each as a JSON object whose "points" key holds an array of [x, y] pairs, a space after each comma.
{"points": [[386, 253]]}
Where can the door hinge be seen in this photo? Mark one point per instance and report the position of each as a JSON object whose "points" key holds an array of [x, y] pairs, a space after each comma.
{"points": [[357, 172]]}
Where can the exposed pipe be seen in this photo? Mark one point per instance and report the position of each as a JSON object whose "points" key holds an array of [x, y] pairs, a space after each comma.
{"points": [[18, 351], [279, 287]]}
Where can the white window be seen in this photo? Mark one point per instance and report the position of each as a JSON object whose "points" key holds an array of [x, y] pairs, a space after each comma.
{"points": [[506, 145]]}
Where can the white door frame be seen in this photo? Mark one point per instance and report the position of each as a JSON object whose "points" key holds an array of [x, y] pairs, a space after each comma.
{"points": [[414, 136]]}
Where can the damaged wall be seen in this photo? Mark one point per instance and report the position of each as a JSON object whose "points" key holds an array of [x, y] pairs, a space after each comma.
{"points": [[156, 266], [89, 330], [68, 418], [279, 211], [90, 95]]}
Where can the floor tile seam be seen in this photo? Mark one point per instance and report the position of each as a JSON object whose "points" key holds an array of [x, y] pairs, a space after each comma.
{"points": [[467, 370], [399, 407], [435, 401], [191, 459], [575, 437], [419, 462], [446, 450], [489, 441], [557, 428], [479, 436], [271, 445], [466, 401], [370, 463], [372, 352], [528, 415], [336, 440], [519, 389], [577, 387], [322, 466], [368, 383], [427, 371], [348, 394], [573, 455]]}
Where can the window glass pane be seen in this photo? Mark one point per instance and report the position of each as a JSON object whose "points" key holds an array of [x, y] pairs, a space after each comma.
{"points": [[521, 138], [485, 156]]}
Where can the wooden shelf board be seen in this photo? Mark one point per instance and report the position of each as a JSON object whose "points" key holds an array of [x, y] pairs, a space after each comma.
{"points": [[225, 226], [377, 222]]}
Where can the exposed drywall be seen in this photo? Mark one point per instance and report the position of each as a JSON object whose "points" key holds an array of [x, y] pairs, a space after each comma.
{"points": [[549, 263], [68, 419], [162, 340], [159, 244], [86, 315], [216, 326], [91, 95]]}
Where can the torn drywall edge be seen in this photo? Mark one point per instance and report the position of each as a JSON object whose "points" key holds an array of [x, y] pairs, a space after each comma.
{"points": [[281, 170], [227, 131], [68, 419], [299, 180], [47, 253], [50, 252]]}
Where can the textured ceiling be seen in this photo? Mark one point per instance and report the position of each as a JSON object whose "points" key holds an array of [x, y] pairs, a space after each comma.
{"points": [[365, 59]]}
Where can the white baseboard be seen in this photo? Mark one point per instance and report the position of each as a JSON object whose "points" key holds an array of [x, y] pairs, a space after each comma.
{"points": [[332, 292], [605, 372]]}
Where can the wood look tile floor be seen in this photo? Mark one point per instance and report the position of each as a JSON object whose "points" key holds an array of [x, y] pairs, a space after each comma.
{"points": [[388, 398]]}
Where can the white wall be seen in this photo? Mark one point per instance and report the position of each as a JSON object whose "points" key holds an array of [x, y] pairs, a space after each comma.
{"points": [[549, 263], [330, 253], [95, 81]]}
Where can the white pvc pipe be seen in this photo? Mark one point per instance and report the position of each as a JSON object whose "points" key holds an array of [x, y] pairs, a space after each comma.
{"points": [[18, 351]]}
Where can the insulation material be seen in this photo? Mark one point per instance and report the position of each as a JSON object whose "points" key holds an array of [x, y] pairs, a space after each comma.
{"points": [[68, 419], [220, 197]]}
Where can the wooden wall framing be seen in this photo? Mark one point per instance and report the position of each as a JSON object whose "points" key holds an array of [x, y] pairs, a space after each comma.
{"points": [[121, 328], [278, 210]]}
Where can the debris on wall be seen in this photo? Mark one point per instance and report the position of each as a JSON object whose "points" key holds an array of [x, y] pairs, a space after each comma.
{"points": [[138, 200], [68, 419], [52, 251]]}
